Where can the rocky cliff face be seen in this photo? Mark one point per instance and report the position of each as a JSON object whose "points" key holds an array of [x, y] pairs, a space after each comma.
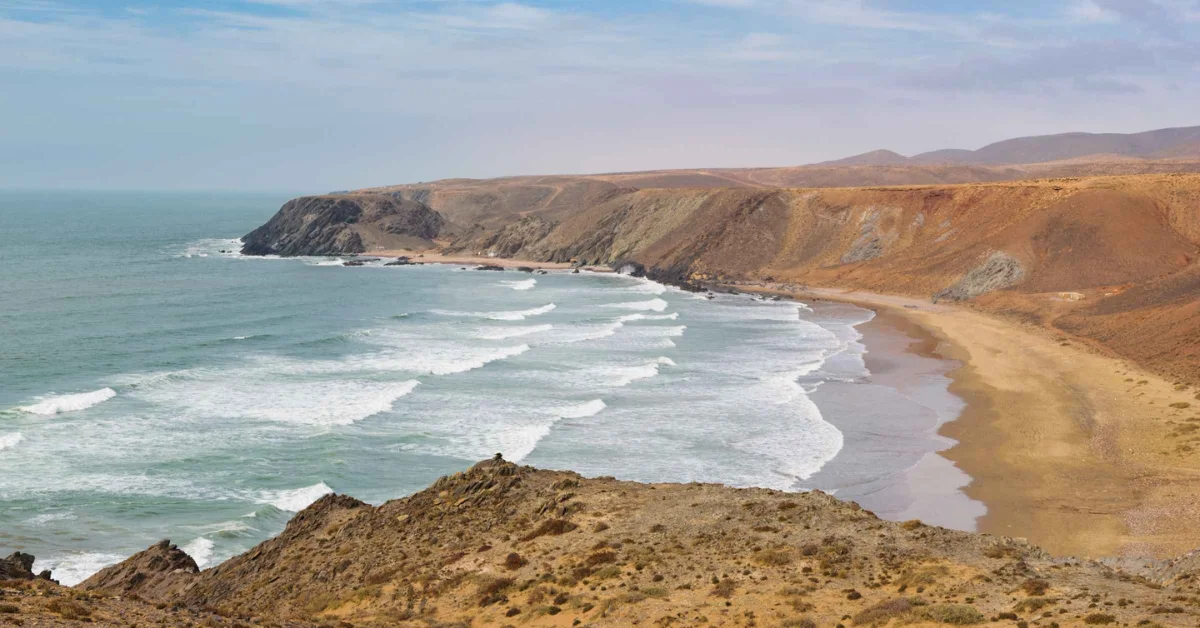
{"points": [[505, 544], [1128, 245], [342, 224]]}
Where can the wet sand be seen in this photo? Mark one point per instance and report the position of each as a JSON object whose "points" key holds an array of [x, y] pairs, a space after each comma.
{"points": [[1081, 453], [890, 420]]}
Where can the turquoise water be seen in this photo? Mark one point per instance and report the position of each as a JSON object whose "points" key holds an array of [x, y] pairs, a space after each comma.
{"points": [[154, 387]]}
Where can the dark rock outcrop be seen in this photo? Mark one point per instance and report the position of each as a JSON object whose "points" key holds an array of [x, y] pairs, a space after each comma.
{"points": [[1000, 271], [149, 573], [19, 566], [508, 241], [337, 225]]}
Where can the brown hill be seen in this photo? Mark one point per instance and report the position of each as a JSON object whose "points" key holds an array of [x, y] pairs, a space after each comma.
{"points": [[873, 158], [506, 545], [1127, 245], [1157, 144]]}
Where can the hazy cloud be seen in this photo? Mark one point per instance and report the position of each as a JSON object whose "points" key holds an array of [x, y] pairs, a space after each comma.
{"points": [[340, 93]]}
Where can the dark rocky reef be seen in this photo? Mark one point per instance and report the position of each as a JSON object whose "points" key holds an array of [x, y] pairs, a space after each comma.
{"points": [[345, 224]]}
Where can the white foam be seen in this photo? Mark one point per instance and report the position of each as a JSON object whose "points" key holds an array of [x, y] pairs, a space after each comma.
{"points": [[201, 551], [43, 519], [69, 403], [10, 440], [649, 317], [254, 394], [624, 376], [297, 499], [645, 286], [72, 569], [586, 409], [518, 315], [449, 361], [501, 333], [656, 305], [523, 284]]}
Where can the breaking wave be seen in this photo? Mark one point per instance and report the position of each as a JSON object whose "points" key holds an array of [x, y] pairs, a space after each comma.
{"points": [[297, 499], [656, 305], [9, 440], [69, 403], [518, 315]]}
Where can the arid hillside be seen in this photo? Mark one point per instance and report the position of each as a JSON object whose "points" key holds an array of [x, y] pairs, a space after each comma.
{"points": [[1109, 259], [502, 544]]}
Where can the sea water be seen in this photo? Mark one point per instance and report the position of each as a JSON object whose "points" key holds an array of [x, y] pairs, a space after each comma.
{"points": [[154, 383]]}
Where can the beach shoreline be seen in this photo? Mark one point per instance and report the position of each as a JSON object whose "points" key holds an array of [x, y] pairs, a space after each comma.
{"points": [[424, 257], [1077, 452], [890, 418]]}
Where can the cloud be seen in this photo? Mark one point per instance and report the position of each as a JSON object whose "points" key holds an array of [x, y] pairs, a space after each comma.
{"points": [[343, 92], [1089, 11]]}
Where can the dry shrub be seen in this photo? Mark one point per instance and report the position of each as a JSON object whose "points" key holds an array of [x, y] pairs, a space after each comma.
{"points": [[67, 609], [612, 571], [798, 622], [883, 611], [772, 557], [552, 527], [953, 614], [1099, 619], [1035, 587], [9, 608], [1034, 604], [514, 561], [911, 524], [381, 576], [601, 557], [724, 588], [923, 576], [491, 586]]}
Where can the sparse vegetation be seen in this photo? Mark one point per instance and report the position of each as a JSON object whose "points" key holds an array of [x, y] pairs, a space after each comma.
{"points": [[953, 614]]}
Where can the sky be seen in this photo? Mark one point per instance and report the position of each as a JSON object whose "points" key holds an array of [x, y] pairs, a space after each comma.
{"points": [[319, 95]]}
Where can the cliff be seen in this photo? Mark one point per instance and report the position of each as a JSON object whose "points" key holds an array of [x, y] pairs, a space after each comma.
{"points": [[506, 544], [1111, 260], [341, 224]]}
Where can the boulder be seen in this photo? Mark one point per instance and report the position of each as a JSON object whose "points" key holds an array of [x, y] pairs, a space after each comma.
{"points": [[18, 566], [151, 573]]}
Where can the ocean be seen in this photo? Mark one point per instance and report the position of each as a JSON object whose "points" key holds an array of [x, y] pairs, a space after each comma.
{"points": [[154, 383]]}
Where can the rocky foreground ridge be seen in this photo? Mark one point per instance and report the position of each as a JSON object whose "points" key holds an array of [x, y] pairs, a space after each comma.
{"points": [[502, 544]]}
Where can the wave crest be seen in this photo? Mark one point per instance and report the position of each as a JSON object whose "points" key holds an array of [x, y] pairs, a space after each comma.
{"points": [[295, 500], [517, 315], [69, 403], [656, 305]]}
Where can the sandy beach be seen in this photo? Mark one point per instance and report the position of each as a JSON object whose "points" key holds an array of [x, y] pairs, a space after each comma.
{"points": [[1079, 452]]}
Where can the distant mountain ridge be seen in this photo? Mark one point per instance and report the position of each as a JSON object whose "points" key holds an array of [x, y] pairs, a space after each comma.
{"points": [[1172, 143]]}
